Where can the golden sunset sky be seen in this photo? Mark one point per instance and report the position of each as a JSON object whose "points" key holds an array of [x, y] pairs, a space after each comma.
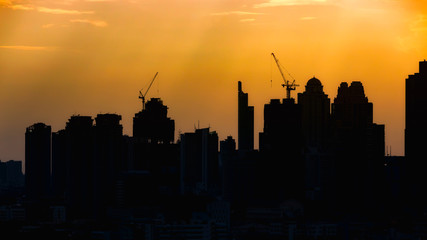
{"points": [[65, 57]]}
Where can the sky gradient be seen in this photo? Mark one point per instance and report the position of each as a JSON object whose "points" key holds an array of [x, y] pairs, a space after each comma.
{"points": [[59, 58]]}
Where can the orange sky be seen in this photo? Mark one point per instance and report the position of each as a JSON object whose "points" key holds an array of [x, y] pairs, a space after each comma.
{"points": [[59, 58]]}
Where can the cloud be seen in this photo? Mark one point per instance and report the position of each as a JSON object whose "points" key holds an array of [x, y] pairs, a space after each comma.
{"points": [[11, 5], [235, 13], [62, 11], [276, 3], [21, 7], [5, 3], [27, 48], [307, 18], [247, 20], [100, 0], [420, 24], [48, 25], [96, 23]]}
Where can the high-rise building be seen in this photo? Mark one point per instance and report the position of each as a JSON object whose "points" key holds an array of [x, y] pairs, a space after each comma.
{"points": [[59, 167], [37, 161], [282, 127], [315, 106], [108, 161], [245, 121], [416, 111], [199, 162], [79, 166], [416, 132], [154, 149], [282, 168], [238, 172], [359, 147], [11, 174], [152, 123]]}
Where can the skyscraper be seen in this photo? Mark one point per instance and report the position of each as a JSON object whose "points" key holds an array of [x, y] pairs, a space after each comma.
{"points": [[416, 113], [152, 123], [108, 160], [199, 162], [315, 106], [79, 166], [415, 133], [59, 167], [282, 168], [245, 121], [359, 147], [37, 161], [315, 121]]}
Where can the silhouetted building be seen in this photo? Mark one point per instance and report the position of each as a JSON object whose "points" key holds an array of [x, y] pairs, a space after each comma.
{"points": [[199, 162], [315, 106], [108, 161], [59, 165], [416, 132], [80, 167], [394, 188], [154, 149], [359, 148], [238, 169], [282, 167], [245, 121], [152, 123], [227, 157], [11, 174], [37, 161]]}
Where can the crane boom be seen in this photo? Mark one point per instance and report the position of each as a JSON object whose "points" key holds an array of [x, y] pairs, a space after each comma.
{"points": [[289, 86], [142, 96]]}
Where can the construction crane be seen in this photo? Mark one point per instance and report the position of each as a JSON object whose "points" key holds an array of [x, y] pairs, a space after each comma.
{"points": [[289, 86], [142, 96]]}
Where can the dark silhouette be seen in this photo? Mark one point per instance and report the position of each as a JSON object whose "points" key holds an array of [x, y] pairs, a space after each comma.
{"points": [[245, 117], [320, 173], [37, 161], [415, 140]]}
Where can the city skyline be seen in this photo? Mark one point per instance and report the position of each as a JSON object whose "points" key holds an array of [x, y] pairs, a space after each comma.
{"points": [[318, 164], [59, 58]]}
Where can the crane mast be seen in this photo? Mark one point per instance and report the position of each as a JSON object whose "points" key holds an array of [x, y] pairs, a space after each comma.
{"points": [[289, 86], [142, 96]]}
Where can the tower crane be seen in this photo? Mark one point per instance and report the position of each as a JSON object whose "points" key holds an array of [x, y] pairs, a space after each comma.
{"points": [[289, 86], [142, 96]]}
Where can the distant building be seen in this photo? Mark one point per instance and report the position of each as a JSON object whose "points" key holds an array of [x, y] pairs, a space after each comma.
{"points": [[80, 167], [315, 106], [245, 121], [281, 172], [11, 174], [37, 161], [282, 128], [154, 149], [108, 160], [152, 123], [238, 172], [416, 110], [59, 164], [199, 162], [359, 147], [416, 132]]}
